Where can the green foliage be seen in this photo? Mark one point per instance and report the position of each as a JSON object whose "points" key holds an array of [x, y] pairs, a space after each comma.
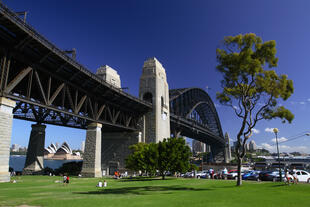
{"points": [[174, 156], [18, 153], [234, 161], [169, 155], [246, 81], [136, 160], [258, 159], [151, 158], [249, 86], [69, 168]]}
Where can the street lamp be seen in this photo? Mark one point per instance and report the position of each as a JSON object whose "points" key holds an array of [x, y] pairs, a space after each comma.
{"points": [[276, 130]]}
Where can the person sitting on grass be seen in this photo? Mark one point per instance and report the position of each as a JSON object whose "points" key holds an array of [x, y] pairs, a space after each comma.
{"points": [[99, 184]]}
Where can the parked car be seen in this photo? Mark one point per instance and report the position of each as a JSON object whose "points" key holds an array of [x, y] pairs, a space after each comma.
{"points": [[247, 174], [271, 176], [202, 174], [189, 175], [232, 174], [254, 176], [303, 176]]}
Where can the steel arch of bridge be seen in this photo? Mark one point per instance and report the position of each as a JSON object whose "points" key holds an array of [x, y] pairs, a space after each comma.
{"points": [[194, 115]]}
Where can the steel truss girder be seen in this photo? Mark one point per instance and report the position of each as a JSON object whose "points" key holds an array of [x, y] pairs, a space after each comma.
{"points": [[44, 90], [36, 72], [183, 102]]}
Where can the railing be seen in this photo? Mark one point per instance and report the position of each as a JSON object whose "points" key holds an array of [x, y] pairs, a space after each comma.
{"points": [[31, 31]]}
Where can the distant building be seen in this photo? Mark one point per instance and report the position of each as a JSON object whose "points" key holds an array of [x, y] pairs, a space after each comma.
{"points": [[83, 146], [252, 146], [62, 153], [15, 147], [198, 147], [227, 148]]}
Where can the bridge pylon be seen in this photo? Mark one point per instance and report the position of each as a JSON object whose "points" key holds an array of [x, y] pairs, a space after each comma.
{"points": [[154, 89], [35, 153], [6, 119]]}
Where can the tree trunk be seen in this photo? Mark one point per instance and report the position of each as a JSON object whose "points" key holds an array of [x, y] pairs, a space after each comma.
{"points": [[163, 176], [239, 181]]}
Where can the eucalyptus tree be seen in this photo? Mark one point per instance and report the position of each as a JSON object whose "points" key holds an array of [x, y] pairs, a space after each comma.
{"points": [[250, 86]]}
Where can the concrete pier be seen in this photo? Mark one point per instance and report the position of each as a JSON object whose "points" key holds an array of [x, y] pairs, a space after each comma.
{"points": [[6, 118], [35, 152], [92, 155], [115, 149]]}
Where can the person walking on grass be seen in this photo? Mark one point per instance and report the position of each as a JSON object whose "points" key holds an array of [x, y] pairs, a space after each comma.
{"points": [[65, 179], [295, 176], [288, 179]]}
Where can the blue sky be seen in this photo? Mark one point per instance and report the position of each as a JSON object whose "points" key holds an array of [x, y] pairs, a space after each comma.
{"points": [[183, 35]]}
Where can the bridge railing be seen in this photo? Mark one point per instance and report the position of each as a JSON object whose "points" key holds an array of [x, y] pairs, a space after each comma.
{"points": [[31, 31]]}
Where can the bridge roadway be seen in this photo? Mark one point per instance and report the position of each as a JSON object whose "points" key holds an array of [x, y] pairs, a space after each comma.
{"points": [[51, 87]]}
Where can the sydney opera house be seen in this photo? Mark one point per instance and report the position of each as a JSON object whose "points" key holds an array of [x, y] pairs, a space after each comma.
{"points": [[62, 153]]}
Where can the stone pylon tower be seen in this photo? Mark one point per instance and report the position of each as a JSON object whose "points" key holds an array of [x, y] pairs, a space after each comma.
{"points": [[154, 89], [227, 148]]}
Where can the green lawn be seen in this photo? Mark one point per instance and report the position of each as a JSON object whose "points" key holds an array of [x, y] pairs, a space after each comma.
{"points": [[44, 191]]}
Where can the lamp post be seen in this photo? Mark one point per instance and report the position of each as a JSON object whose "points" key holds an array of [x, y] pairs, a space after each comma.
{"points": [[276, 130]]}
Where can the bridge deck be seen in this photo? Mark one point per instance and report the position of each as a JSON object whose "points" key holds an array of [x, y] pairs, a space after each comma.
{"points": [[20, 35], [27, 48]]}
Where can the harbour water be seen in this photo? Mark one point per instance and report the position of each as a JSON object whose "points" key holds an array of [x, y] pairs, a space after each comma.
{"points": [[17, 162]]}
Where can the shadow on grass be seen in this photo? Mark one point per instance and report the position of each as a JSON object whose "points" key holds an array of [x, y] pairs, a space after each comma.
{"points": [[279, 185], [144, 179], [143, 190]]}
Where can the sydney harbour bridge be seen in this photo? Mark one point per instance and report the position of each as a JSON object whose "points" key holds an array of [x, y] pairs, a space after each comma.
{"points": [[41, 83]]}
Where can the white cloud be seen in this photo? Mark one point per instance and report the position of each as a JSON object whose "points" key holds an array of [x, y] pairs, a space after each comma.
{"points": [[285, 148], [269, 130], [308, 99], [281, 139], [267, 146], [302, 103], [255, 131]]}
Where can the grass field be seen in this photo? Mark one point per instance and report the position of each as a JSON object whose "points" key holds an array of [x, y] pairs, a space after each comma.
{"points": [[44, 191]]}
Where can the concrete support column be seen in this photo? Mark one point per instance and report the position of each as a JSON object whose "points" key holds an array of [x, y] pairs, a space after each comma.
{"points": [[92, 153], [217, 153], [35, 152], [115, 149], [6, 118]]}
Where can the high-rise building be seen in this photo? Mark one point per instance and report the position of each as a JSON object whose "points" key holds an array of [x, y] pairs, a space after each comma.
{"points": [[247, 147], [83, 146], [198, 147], [252, 146], [15, 147], [227, 148]]}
